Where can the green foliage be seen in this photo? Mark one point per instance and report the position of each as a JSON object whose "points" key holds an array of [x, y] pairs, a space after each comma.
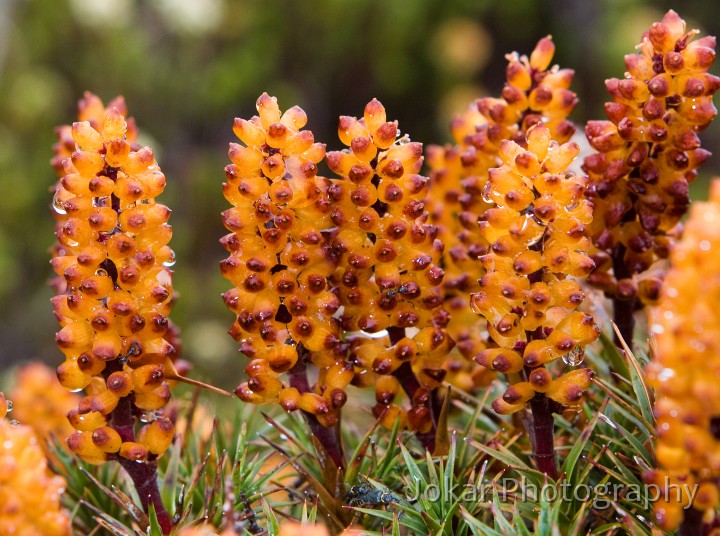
{"points": [[260, 467]]}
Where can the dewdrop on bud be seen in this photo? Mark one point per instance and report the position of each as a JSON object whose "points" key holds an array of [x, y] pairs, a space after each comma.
{"points": [[575, 356]]}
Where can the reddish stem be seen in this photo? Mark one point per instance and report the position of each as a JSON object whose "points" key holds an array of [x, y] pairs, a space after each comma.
{"points": [[142, 474], [542, 435], [410, 384], [623, 309], [326, 435], [540, 426], [692, 524]]}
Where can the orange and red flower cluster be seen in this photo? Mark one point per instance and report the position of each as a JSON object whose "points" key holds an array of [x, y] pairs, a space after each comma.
{"points": [[647, 154], [113, 306], [389, 276], [529, 297], [313, 259], [686, 365], [518, 223], [280, 261], [534, 93]]}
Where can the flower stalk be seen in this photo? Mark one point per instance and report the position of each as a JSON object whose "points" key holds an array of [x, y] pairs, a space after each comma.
{"points": [[542, 435], [327, 436]]}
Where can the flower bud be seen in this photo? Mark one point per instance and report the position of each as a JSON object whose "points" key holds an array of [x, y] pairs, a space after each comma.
{"points": [[81, 444], [133, 451], [157, 436], [106, 439]]}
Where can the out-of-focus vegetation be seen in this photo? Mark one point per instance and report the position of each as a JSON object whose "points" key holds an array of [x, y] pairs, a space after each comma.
{"points": [[186, 68]]}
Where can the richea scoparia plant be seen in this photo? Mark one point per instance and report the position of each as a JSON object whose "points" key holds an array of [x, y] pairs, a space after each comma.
{"points": [[443, 337]]}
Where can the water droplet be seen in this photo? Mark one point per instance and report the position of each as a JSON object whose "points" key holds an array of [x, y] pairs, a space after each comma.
{"points": [[487, 194], [572, 206], [475, 300], [575, 356], [14, 423], [71, 243], [74, 390], [101, 201], [9, 405], [171, 261], [101, 272], [57, 203], [704, 245]]}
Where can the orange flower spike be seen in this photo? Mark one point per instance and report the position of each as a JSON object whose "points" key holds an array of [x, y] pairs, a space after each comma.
{"points": [[383, 239], [279, 255], [31, 492], [684, 366], [114, 236], [648, 152], [543, 247]]}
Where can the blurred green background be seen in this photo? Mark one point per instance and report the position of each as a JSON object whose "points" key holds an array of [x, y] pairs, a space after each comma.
{"points": [[188, 67]]}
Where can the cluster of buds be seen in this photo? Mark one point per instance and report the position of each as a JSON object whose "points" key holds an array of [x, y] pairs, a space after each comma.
{"points": [[534, 92], [312, 259], [529, 297], [685, 367], [647, 154], [280, 262], [388, 276], [29, 493], [457, 175], [115, 295]]}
